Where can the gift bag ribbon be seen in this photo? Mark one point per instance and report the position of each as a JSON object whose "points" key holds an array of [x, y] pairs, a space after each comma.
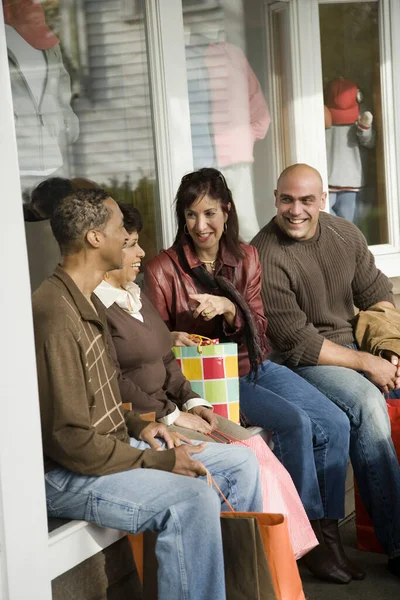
{"points": [[202, 340]]}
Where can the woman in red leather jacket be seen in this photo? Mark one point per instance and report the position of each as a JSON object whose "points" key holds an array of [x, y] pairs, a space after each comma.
{"points": [[209, 283]]}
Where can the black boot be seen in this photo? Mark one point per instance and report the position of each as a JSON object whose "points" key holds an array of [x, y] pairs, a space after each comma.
{"points": [[394, 566], [331, 535], [321, 562]]}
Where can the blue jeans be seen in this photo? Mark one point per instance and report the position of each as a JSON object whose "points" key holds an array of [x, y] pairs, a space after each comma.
{"points": [[184, 511], [344, 204], [371, 449], [311, 435]]}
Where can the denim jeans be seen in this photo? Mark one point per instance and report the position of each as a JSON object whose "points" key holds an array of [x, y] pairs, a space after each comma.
{"points": [[371, 449], [344, 204], [184, 511], [311, 435]]}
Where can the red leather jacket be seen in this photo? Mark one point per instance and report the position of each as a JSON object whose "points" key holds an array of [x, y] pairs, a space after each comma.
{"points": [[168, 287]]}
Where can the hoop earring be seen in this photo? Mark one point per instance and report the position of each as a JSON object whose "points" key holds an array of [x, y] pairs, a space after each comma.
{"points": [[226, 226], [185, 229], [106, 275]]}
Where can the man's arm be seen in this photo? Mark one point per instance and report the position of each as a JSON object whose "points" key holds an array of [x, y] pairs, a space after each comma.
{"points": [[380, 371], [69, 438], [369, 286]]}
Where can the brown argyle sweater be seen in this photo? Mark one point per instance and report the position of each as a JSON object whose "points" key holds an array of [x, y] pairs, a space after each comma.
{"points": [[84, 427]]}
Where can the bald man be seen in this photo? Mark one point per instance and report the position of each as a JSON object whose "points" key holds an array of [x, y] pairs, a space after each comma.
{"points": [[316, 268]]}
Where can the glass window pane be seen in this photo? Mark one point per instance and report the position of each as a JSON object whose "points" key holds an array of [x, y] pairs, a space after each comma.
{"points": [[353, 110], [226, 72], [80, 86]]}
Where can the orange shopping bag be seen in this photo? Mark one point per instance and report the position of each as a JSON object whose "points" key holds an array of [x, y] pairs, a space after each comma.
{"points": [[273, 530]]}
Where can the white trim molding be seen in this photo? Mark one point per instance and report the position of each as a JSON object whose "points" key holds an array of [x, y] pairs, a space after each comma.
{"points": [[388, 255], [308, 106], [23, 518], [170, 103]]}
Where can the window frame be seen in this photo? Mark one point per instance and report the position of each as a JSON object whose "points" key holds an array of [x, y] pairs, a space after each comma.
{"points": [[308, 107]]}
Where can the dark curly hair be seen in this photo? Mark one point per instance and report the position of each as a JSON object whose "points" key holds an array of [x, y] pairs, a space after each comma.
{"points": [[75, 215], [132, 218]]}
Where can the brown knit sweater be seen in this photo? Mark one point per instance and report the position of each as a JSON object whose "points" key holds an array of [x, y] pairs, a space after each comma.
{"points": [[310, 288], [84, 427], [149, 375]]}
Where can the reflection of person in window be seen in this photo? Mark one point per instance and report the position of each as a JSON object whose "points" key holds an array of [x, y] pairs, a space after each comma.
{"points": [[347, 142], [41, 91], [240, 117], [228, 113]]}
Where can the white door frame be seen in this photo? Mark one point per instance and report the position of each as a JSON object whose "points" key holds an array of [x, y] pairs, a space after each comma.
{"points": [[170, 104], [23, 519]]}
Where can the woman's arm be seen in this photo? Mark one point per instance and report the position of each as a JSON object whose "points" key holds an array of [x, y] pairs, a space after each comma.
{"points": [[166, 411], [157, 294]]}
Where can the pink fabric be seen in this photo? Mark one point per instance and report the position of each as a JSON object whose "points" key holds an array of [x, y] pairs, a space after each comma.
{"points": [[240, 113], [280, 496]]}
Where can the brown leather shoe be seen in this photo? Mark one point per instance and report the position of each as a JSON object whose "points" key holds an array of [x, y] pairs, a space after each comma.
{"points": [[331, 536]]}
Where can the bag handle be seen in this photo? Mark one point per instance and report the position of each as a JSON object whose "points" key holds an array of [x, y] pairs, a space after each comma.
{"points": [[227, 438], [201, 338], [211, 482]]}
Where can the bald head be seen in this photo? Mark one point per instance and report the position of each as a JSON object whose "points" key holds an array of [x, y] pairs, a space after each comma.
{"points": [[299, 197], [301, 171]]}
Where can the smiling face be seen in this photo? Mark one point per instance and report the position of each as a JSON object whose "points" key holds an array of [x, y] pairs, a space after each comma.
{"points": [[133, 255], [205, 222], [299, 199]]}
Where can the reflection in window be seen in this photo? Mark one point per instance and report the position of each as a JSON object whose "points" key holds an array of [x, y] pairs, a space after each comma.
{"points": [[353, 115], [82, 106], [228, 109]]}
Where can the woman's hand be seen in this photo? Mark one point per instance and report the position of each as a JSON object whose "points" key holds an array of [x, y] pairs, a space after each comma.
{"points": [[193, 422], [173, 439], [207, 414], [181, 338], [210, 306]]}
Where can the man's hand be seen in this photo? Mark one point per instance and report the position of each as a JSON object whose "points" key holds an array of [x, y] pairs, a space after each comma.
{"points": [[193, 422], [394, 359], [184, 463], [171, 438], [181, 338], [206, 414], [380, 371]]}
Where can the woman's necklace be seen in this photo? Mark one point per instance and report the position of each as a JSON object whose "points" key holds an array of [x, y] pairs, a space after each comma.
{"points": [[209, 262]]}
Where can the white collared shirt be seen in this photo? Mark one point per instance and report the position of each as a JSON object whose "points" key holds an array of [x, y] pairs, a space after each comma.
{"points": [[128, 299]]}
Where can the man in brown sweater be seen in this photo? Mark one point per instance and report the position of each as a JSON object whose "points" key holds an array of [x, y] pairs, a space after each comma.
{"points": [[103, 464], [316, 267]]}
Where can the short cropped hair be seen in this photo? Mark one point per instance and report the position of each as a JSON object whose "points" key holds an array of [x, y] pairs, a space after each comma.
{"points": [[77, 214], [133, 222]]}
